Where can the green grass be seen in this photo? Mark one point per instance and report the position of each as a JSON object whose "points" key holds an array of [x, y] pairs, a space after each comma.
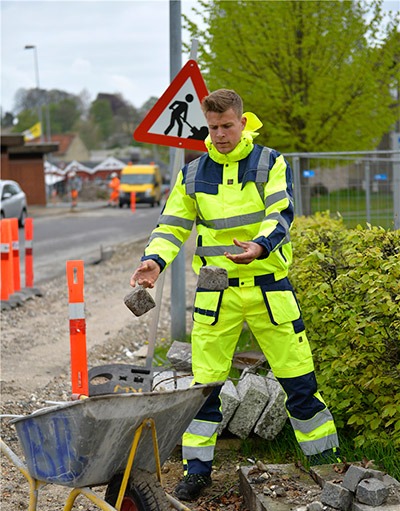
{"points": [[284, 449], [351, 204]]}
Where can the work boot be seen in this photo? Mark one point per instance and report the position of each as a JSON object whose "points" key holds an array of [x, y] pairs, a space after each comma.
{"points": [[326, 457], [191, 486]]}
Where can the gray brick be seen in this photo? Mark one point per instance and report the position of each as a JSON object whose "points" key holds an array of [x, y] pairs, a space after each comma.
{"points": [[170, 380], [372, 492], [353, 476], [213, 278], [336, 496], [253, 394], [180, 356], [274, 416], [229, 401], [139, 301], [357, 506]]}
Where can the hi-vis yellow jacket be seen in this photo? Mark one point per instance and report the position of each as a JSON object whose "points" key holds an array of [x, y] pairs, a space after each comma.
{"points": [[245, 194]]}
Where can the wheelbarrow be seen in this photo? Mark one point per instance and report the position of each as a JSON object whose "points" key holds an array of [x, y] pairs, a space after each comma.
{"points": [[117, 440]]}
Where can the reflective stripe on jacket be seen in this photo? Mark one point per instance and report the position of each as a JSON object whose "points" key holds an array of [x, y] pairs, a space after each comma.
{"points": [[249, 199]]}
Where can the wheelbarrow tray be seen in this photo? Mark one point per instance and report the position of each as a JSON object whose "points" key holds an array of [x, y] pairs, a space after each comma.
{"points": [[87, 442]]}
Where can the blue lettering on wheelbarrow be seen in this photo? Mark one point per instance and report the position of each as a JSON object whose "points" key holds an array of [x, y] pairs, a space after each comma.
{"points": [[49, 453]]}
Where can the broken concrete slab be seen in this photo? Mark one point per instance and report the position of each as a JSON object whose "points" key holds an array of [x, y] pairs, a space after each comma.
{"points": [[253, 394], [358, 506], [229, 401], [277, 488], [274, 416], [180, 356], [170, 380], [291, 488]]}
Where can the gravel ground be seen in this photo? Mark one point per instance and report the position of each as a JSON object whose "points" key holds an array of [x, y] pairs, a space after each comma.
{"points": [[35, 369]]}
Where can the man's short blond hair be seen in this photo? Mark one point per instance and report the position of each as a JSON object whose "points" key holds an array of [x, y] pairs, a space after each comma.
{"points": [[222, 100]]}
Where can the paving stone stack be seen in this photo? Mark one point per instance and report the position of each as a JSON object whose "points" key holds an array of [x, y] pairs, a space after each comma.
{"points": [[323, 488], [361, 490], [254, 405]]}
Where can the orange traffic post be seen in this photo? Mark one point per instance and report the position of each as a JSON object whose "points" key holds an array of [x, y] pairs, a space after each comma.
{"points": [[29, 252], [15, 254], [77, 329], [133, 202], [6, 267]]}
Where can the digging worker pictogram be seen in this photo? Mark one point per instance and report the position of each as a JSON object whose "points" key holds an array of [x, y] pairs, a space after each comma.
{"points": [[239, 195], [179, 114]]}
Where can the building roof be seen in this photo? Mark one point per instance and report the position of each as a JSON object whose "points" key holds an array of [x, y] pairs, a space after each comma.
{"points": [[15, 144], [77, 166], [110, 163], [63, 140]]}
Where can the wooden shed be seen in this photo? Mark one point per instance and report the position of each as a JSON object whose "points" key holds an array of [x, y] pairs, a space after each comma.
{"points": [[24, 163]]}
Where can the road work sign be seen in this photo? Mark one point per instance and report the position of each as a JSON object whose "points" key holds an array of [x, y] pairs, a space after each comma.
{"points": [[177, 119]]}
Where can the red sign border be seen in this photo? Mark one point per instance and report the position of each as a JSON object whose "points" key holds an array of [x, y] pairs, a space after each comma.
{"points": [[141, 134]]}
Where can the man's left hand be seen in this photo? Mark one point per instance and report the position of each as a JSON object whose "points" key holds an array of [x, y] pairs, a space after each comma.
{"points": [[251, 251]]}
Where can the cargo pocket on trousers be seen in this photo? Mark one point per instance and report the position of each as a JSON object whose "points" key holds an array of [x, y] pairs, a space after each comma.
{"points": [[206, 306], [282, 308]]}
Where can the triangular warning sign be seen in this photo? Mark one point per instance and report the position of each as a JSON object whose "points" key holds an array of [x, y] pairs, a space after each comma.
{"points": [[177, 119]]}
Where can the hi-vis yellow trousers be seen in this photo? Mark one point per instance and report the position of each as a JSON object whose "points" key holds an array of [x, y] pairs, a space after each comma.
{"points": [[272, 313]]}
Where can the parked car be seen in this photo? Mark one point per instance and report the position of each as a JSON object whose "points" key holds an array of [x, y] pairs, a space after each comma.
{"points": [[13, 201]]}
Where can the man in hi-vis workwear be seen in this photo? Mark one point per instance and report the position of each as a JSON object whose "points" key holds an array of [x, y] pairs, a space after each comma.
{"points": [[239, 195]]}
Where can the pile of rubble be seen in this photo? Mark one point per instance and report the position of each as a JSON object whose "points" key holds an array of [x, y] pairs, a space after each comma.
{"points": [[361, 490], [339, 487], [255, 404]]}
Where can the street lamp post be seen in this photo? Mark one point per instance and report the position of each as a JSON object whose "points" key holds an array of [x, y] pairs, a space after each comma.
{"points": [[39, 106]]}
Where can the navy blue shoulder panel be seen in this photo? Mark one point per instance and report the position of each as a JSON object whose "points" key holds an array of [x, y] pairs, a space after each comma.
{"points": [[249, 167], [208, 175]]}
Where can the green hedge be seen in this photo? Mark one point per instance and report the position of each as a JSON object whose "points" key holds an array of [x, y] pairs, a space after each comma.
{"points": [[348, 285]]}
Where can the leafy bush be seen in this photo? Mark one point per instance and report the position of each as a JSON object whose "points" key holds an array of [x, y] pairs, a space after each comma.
{"points": [[348, 285]]}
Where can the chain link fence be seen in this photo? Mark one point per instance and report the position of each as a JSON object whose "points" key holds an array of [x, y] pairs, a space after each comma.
{"points": [[363, 187]]}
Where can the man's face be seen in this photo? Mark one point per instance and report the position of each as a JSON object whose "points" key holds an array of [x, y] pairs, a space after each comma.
{"points": [[225, 130]]}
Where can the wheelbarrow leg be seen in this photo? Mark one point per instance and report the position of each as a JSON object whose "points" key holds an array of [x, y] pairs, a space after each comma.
{"points": [[89, 494], [148, 423], [34, 484]]}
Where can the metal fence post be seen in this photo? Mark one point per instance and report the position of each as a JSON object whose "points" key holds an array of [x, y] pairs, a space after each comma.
{"points": [[396, 179], [298, 205], [367, 177]]}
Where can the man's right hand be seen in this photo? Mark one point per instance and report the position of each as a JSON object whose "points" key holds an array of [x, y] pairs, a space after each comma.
{"points": [[146, 274]]}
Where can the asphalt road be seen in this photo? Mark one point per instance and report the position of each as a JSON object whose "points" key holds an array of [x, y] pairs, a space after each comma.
{"points": [[85, 234]]}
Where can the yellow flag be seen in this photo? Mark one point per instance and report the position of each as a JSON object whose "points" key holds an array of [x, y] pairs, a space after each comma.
{"points": [[34, 132]]}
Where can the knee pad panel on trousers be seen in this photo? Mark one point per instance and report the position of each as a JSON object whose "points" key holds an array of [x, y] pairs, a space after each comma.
{"points": [[211, 409], [302, 402]]}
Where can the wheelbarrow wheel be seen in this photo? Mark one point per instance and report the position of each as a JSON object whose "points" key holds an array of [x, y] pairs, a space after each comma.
{"points": [[143, 493]]}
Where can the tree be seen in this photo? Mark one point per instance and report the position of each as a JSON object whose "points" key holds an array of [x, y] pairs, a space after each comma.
{"points": [[102, 117], [320, 75], [64, 115], [25, 120]]}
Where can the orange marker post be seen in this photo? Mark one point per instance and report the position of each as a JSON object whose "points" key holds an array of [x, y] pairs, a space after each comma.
{"points": [[29, 252], [6, 268], [77, 329], [15, 254], [133, 202]]}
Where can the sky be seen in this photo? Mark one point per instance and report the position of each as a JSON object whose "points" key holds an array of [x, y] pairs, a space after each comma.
{"points": [[111, 46]]}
